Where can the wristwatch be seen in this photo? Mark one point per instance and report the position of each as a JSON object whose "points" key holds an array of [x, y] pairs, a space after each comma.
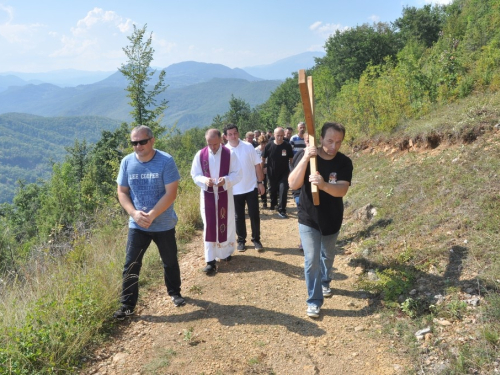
{"points": [[260, 182]]}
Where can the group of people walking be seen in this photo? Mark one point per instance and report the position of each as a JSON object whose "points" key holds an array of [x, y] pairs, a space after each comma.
{"points": [[231, 174]]}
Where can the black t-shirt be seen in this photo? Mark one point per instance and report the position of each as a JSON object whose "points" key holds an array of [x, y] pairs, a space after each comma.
{"points": [[327, 217], [278, 157]]}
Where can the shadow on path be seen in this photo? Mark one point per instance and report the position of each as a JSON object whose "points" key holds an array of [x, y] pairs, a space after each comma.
{"points": [[232, 315], [250, 263]]}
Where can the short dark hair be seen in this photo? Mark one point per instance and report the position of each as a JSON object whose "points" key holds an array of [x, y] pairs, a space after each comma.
{"points": [[229, 127], [289, 128], [140, 128], [332, 125]]}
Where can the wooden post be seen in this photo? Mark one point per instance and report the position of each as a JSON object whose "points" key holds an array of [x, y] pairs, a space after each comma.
{"points": [[307, 94]]}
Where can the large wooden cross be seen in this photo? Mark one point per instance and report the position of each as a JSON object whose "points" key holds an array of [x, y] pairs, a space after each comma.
{"points": [[307, 94]]}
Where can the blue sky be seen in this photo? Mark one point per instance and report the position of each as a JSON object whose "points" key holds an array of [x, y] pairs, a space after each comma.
{"points": [[40, 36]]}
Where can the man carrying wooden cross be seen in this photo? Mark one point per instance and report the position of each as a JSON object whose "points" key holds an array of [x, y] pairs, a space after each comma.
{"points": [[319, 225]]}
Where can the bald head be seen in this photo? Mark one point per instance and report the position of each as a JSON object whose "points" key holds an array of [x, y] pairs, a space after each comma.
{"points": [[279, 134], [211, 133]]}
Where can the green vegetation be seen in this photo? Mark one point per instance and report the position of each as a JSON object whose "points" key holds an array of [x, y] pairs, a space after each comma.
{"points": [[145, 110], [420, 113], [163, 361], [436, 230], [31, 144]]}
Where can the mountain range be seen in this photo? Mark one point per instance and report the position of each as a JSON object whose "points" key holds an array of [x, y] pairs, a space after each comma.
{"points": [[44, 112], [282, 69], [278, 70], [197, 93]]}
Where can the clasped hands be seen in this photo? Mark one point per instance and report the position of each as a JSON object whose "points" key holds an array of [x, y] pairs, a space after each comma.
{"points": [[143, 219], [211, 182]]}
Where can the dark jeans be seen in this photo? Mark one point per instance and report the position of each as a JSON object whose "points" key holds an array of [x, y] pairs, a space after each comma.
{"points": [[263, 197], [137, 243], [279, 186], [252, 200]]}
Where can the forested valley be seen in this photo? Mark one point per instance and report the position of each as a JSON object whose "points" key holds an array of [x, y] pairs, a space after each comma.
{"points": [[430, 78]]}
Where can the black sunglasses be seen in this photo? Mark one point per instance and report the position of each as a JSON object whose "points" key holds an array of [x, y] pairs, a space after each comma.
{"points": [[142, 142]]}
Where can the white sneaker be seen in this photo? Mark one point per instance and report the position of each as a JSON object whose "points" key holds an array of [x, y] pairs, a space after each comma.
{"points": [[327, 292], [312, 311]]}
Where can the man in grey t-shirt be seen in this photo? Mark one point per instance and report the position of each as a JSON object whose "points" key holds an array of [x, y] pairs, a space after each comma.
{"points": [[147, 187]]}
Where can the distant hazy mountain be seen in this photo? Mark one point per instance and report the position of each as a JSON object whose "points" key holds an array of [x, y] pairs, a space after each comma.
{"points": [[63, 78], [191, 72], [10, 80], [186, 73], [192, 106], [283, 69]]}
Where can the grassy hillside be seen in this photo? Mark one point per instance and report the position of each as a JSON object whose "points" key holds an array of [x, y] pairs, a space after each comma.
{"points": [[430, 249], [32, 143]]}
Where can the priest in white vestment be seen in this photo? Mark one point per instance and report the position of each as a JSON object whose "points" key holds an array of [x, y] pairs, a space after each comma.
{"points": [[216, 170]]}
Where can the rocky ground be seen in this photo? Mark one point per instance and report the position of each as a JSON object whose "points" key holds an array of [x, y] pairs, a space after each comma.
{"points": [[250, 318]]}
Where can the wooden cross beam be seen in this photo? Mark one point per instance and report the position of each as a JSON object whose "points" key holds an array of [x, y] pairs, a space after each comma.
{"points": [[307, 94]]}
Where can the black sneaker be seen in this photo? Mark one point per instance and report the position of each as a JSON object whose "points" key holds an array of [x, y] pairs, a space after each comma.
{"points": [[258, 246], [228, 259], [210, 268], [264, 205], [178, 300], [241, 246], [283, 215], [123, 312]]}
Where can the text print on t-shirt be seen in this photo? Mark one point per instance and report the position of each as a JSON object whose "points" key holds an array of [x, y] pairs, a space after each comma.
{"points": [[147, 188]]}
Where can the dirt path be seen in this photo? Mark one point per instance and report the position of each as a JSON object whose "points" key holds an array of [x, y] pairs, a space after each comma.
{"points": [[250, 319]]}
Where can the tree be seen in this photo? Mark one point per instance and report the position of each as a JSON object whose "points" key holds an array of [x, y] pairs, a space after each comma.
{"points": [[348, 53], [422, 25], [283, 117], [239, 114], [77, 156], [143, 99], [282, 101]]}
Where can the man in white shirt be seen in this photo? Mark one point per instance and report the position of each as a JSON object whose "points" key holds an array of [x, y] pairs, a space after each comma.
{"points": [[248, 189]]}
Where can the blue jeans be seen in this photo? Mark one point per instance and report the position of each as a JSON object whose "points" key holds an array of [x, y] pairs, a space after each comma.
{"points": [[138, 242], [319, 253]]}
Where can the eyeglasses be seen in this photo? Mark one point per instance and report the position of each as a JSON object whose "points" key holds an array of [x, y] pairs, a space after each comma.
{"points": [[142, 142]]}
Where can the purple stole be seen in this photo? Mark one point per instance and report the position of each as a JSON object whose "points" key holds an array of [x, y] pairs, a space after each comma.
{"points": [[214, 231]]}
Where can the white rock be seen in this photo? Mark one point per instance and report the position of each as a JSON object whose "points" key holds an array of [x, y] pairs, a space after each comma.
{"points": [[423, 331]]}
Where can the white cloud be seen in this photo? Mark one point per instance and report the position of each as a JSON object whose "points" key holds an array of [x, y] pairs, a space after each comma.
{"points": [[98, 16], [99, 36], [374, 18], [17, 33], [162, 46], [326, 29]]}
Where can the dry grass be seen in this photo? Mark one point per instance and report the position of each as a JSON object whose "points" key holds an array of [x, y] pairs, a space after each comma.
{"points": [[437, 225], [64, 303]]}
